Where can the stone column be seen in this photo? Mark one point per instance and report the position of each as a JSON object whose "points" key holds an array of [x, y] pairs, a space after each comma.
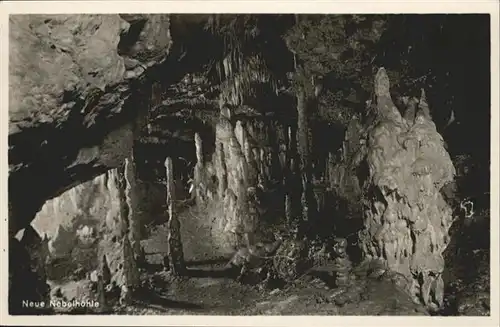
{"points": [[130, 273], [407, 226], [221, 170], [134, 230], [199, 184], [176, 254]]}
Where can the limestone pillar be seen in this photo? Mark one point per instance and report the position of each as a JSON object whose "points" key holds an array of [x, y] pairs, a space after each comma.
{"points": [[199, 184], [175, 251], [407, 226], [134, 230]]}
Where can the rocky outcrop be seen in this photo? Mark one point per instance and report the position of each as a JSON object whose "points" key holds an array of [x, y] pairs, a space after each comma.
{"points": [[245, 162], [77, 85], [397, 166], [78, 92]]}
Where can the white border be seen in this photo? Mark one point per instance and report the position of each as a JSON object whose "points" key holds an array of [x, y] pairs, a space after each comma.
{"points": [[189, 6]]}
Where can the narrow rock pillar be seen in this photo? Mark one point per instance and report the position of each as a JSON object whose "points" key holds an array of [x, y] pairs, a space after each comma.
{"points": [[176, 254]]}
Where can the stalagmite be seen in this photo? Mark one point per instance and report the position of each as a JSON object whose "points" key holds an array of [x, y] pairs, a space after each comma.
{"points": [[319, 194], [288, 208], [130, 273], [175, 251], [342, 263], [131, 200], [263, 168], [410, 110], [101, 296], [122, 185], [239, 132], [230, 212], [269, 164], [199, 183], [408, 164], [236, 166], [256, 156], [199, 150], [251, 164], [105, 272], [221, 170], [282, 155]]}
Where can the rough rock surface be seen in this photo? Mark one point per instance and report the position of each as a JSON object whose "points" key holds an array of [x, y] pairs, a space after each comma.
{"points": [[75, 221], [399, 169], [75, 94], [78, 91]]}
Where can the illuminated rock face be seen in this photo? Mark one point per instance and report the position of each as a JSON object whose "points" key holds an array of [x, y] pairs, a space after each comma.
{"points": [[76, 100], [73, 219], [406, 219]]}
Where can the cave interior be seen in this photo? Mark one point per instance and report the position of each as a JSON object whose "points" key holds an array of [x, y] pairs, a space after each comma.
{"points": [[302, 116]]}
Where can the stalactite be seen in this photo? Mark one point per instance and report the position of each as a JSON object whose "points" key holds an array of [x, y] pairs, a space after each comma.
{"points": [[132, 202], [176, 254]]}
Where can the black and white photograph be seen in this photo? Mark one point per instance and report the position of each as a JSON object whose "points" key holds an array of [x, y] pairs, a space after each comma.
{"points": [[249, 164]]}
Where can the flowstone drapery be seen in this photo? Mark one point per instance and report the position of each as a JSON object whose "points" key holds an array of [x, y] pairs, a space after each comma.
{"points": [[406, 220]]}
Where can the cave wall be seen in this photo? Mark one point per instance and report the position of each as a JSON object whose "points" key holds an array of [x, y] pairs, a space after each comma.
{"points": [[77, 91]]}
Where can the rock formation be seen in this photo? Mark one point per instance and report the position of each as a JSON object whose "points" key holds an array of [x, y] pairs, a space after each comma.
{"points": [[134, 225], [406, 219], [77, 88], [73, 219], [78, 109], [174, 241], [201, 186]]}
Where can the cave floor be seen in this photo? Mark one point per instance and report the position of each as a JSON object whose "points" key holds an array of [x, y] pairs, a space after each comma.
{"points": [[207, 291], [223, 296]]}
